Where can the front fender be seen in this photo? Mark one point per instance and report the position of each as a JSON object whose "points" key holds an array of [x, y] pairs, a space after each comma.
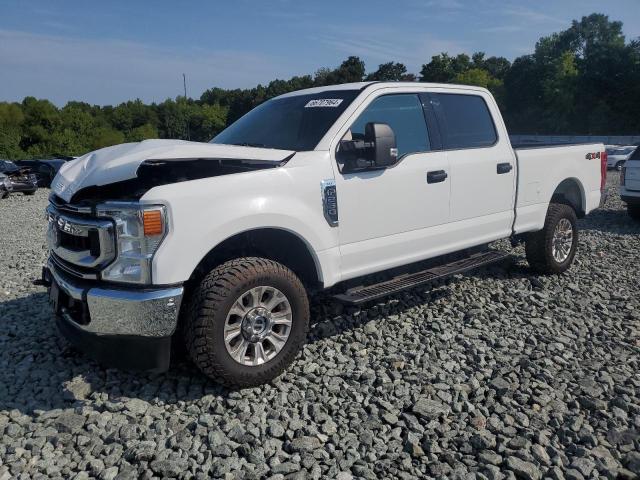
{"points": [[203, 213]]}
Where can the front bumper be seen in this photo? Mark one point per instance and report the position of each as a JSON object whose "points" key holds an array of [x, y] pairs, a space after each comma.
{"points": [[120, 327], [23, 187]]}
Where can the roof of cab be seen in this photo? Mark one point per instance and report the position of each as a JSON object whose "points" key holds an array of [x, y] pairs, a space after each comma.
{"points": [[364, 85]]}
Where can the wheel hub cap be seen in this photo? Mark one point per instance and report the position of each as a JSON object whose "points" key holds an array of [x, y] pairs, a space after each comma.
{"points": [[562, 240], [258, 325]]}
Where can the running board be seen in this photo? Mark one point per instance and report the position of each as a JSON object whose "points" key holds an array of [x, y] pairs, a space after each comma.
{"points": [[366, 293]]}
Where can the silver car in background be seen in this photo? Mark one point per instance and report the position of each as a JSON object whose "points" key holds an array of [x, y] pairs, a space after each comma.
{"points": [[617, 155]]}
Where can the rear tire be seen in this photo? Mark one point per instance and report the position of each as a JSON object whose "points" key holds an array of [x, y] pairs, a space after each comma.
{"points": [[634, 212], [229, 310], [552, 249]]}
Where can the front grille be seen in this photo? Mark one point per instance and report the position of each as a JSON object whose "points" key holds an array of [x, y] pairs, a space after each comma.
{"points": [[76, 271], [81, 243]]}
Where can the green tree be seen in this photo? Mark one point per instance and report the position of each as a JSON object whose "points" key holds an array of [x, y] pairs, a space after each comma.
{"points": [[106, 137], [390, 71], [11, 119], [143, 132], [444, 69]]}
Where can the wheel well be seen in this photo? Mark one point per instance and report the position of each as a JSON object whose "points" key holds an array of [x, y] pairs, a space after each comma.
{"points": [[570, 193], [275, 244]]}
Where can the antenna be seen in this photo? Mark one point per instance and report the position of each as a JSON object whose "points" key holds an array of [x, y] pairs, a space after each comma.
{"points": [[184, 83]]}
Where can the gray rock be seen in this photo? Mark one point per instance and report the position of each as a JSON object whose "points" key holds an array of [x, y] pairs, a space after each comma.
{"points": [[77, 389], [305, 444], [522, 469], [168, 468], [632, 462], [429, 409], [70, 422]]}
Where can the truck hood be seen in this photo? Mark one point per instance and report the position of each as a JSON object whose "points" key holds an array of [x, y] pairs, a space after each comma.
{"points": [[121, 162]]}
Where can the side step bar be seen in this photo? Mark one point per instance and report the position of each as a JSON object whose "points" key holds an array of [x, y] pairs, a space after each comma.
{"points": [[366, 293]]}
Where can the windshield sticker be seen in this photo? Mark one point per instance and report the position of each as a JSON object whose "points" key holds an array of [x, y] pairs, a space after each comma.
{"points": [[324, 102]]}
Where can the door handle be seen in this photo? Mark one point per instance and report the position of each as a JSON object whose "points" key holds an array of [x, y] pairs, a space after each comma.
{"points": [[436, 176], [504, 168]]}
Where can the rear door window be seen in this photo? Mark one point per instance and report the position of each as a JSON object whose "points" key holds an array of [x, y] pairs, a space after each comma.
{"points": [[464, 120]]}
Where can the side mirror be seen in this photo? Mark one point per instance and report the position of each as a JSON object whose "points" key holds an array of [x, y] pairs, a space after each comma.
{"points": [[384, 151]]}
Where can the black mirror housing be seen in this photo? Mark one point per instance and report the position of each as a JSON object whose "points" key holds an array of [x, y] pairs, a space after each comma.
{"points": [[383, 141]]}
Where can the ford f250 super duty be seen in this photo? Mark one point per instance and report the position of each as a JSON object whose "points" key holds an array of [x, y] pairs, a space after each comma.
{"points": [[221, 243]]}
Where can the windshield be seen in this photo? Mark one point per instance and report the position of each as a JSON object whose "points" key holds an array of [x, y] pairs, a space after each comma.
{"points": [[291, 123]]}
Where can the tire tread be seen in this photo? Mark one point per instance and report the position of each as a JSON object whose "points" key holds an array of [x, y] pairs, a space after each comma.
{"points": [[538, 254], [208, 300]]}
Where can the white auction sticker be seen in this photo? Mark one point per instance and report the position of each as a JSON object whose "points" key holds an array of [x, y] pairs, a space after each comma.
{"points": [[324, 102]]}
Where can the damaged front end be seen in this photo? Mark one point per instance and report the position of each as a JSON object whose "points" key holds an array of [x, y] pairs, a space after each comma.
{"points": [[102, 242], [153, 173]]}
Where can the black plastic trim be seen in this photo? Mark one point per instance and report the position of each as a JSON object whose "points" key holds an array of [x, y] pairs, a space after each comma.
{"points": [[125, 352], [630, 200]]}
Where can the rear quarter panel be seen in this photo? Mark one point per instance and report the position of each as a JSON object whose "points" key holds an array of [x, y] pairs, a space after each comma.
{"points": [[541, 170]]}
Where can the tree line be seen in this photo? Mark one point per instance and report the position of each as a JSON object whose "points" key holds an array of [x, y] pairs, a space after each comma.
{"points": [[583, 80]]}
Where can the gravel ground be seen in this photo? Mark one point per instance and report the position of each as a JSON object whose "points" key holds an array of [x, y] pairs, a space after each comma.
{"points": [[498, 374]]}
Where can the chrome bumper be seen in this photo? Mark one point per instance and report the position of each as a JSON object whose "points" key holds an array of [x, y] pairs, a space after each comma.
{"points": [[120, 311]]}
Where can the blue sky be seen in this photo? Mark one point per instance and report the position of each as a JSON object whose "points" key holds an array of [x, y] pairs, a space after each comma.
{"points": [[106, 52]]}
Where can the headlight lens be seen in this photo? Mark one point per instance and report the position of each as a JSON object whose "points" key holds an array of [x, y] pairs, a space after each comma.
{"points": [[139, 231]]}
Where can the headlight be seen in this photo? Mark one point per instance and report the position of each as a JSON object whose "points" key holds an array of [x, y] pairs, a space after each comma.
{"points": [[139, 232]]}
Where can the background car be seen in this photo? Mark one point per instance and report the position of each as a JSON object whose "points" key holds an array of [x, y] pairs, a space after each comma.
{"points": [[44, 170], [16, 179], [617, 155]]}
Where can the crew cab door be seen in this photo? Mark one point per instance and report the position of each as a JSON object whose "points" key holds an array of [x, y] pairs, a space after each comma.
{"points": [[482, 166], [386, 215]]}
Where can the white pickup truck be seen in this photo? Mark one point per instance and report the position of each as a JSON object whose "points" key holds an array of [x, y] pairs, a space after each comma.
{"points": [[630, 184], [221, 243]]}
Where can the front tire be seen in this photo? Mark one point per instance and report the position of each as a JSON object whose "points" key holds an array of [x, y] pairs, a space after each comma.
{"points": [[552, 249], [246, 321], [634, 212]]}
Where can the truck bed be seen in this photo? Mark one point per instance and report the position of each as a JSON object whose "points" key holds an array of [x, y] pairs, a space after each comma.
{"points": [[541, 169]]}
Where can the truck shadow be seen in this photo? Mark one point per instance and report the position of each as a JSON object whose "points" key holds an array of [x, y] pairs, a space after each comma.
{"points": [[616, 222], [40, 371]]}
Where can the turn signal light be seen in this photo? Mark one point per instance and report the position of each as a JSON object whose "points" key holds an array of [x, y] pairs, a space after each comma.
{"points": [[152, 220]]}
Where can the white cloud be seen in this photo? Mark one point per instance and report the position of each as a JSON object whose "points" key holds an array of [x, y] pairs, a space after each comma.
{"points": [[501, 29], [378, 44], [530, 15], [111, 71]]}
